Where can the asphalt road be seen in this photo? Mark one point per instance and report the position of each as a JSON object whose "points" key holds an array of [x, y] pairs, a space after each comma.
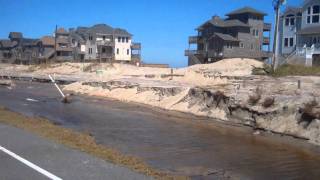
{"points": [[24, 155]]}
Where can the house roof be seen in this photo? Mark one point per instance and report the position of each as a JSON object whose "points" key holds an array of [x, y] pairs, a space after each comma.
{"points": [[293, 10], [310, 30], [15, 35], [30, 42], [123, 32], [217, 21], [102, 29], [225, 37], [308, 3], [47, 40], [245, 10], [6, 43], [62, 31], [77, 37]]}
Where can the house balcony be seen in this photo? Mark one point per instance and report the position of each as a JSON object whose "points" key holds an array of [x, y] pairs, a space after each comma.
{"points": [[266, 54], [193, 39], [267, 27], [193, 52], [136, 46], [266, 41], [105, 56], [135, 56], [105, 43]]}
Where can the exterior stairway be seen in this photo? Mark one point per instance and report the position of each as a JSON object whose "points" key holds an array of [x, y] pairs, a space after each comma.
{"points": [[192, 60], [302, 56]]}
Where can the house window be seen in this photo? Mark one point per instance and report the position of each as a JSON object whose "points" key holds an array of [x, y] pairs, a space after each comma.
{"points": [[252, 46], [315, 19], [90, 50], [241, 45], [286, 42], [290, 20], [117, 50], [119, 39], [104, 37], [123, 39], [255, 32], [128, 51], [229, 45], [316, 9], [291, 42], [127, 39], [313, 14], [90, 38]]}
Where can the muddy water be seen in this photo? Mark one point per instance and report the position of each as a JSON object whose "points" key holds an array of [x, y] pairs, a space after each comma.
{"points": [[178, 143]]}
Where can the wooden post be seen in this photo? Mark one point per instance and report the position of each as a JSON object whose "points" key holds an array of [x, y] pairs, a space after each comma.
{"points": [[299, 84], [171, 74], [65, 99]]}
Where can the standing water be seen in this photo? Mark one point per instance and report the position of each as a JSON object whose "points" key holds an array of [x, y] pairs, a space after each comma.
{"points": [[173, 142]]}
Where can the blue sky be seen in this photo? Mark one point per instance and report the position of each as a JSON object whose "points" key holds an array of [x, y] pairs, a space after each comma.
{"points": [[162, 26]]}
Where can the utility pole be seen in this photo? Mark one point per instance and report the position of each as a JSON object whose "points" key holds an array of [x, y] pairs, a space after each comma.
{"points": [[277, 5], [55, 43]]}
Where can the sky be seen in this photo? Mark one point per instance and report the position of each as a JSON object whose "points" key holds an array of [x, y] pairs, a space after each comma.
{"points": [[162, 26]]}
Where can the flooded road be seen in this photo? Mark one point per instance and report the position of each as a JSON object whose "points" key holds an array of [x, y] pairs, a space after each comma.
{"points": [[174, 142]]}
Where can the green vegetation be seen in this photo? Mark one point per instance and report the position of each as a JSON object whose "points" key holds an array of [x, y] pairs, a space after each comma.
{"points": [[265, 70], [296, 70], [268, 102], [255, 98], [287, 70], [310, 109]]}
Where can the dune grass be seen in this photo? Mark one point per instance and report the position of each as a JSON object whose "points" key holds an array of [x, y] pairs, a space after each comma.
{"points": [[296, 70]]}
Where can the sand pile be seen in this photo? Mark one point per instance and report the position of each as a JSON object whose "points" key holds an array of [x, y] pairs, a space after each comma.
{"points": [[226, 67], [61, 68]]}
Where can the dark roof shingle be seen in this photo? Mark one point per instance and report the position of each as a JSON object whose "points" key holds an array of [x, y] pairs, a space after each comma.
{"points": [[15, 35], [102, 29], [246, 10], [30, 42], [217, 21], [225, 37], [47, 40], [7, 43]]}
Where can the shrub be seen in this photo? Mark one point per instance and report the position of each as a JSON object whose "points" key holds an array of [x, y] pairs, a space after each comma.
{"points": [[309, 112], [220, 96], [309, 107], [255, 98], [268, 102], [265, 70], [90, 67]]}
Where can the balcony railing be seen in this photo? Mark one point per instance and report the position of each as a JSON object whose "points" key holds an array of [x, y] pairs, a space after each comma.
{"points": [[193, 39], [193, 52], [267, 27], [105, 43], [266, 41], [266, 54], [136, 46]]}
